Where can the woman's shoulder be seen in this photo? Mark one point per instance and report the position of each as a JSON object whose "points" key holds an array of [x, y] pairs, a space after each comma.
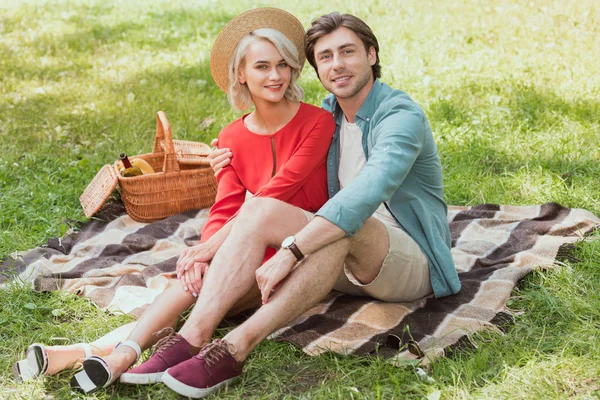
{"points": [[230, 132], [314, 115], [314, 110]]}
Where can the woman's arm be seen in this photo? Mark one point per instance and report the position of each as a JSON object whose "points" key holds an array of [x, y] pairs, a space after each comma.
{"points": [[230, 197], [231, 194]]}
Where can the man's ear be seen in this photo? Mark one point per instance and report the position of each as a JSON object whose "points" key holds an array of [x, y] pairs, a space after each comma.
{"points": [[372, 55]]}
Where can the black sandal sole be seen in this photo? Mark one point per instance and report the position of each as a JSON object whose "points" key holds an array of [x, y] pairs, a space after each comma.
{"points": [[96, 371]]}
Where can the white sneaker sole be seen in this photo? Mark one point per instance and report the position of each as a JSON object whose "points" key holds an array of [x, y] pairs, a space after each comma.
{"points": [[141, 379], [190, 391]]}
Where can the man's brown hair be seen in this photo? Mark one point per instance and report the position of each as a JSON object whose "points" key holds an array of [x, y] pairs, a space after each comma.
{"points": [[328, 23]]}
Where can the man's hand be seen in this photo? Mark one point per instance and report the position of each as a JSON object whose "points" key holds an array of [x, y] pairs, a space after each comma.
{"points": [[219, 158], [192, 278], [200, 253], [273, 272]]}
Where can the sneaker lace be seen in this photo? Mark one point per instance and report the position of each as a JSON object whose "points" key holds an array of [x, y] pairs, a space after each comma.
{"points": [[215, 351], [164, 343]]}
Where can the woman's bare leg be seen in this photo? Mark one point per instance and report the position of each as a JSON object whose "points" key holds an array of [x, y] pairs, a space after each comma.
{"points": [[63, 357], [162, 313]]}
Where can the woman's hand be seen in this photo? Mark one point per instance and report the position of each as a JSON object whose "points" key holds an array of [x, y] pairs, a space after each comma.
{"points": [[200, 253], [219, 158], [273, 272], [192, 278]]}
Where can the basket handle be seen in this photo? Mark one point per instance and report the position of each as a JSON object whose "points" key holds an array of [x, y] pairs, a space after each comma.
{"points": [[165, 138]]}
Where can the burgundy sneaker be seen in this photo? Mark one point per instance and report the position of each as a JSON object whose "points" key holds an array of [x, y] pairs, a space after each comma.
{"points": [[167, 352], [205, 373]]}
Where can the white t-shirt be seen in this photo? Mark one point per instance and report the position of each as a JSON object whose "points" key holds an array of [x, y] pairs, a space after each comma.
{"points": [[352, 161]]}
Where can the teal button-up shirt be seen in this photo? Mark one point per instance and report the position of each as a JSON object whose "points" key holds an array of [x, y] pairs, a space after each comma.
{"points": [[403, 171]]}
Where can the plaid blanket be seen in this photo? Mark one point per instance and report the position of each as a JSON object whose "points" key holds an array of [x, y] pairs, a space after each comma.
{"points": [[122, 265]]}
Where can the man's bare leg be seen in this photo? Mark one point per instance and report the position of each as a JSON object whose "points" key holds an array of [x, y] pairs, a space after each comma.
{"points": [[262, 222], [311, 281]]}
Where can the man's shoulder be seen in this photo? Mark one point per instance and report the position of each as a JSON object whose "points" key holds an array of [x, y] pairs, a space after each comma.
{"points": [[390, 100], [328, 103], [396, 110]]}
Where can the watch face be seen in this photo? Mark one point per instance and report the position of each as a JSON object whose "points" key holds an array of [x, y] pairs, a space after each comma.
{"points": [[287, 242]]}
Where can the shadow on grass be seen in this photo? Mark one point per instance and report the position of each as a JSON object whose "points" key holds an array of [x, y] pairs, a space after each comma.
{"points": [[154, 30]]}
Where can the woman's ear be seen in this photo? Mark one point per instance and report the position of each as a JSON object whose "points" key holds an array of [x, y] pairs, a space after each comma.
{"points": [[241, 78]]}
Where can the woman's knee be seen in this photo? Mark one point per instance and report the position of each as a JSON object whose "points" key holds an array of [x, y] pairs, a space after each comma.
{"points": [[261, 210]]}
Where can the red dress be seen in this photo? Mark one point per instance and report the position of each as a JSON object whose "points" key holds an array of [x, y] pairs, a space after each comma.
{"points": [[288, 165]]}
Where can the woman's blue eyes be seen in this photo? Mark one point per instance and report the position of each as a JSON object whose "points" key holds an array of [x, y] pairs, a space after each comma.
{"points": [[264, 66]]}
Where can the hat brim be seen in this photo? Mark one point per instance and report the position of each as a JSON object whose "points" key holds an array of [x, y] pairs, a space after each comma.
{"points": [[248, 21]]}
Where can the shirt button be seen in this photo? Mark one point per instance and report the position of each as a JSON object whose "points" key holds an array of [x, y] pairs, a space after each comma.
{"points": [[368, 119], [331, 190]]}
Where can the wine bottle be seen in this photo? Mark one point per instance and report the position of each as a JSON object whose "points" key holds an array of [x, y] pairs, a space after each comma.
{"points": [[128, 170]]}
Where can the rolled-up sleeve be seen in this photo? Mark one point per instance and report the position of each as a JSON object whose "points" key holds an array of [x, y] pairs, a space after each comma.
{"points": [[399, 137]]}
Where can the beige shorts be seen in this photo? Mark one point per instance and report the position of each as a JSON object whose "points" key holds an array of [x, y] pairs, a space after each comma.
{"points": [[404, 274]]}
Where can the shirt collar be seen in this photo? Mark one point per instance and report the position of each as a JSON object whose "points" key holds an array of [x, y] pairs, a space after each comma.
{"points": [[367, 108]]}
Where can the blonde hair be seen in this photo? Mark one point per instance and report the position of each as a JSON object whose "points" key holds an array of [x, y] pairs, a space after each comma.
{"points": [[239, 95]]}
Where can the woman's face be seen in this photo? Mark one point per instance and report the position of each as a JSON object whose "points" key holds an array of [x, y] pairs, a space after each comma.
{"points": [[265, 72]]}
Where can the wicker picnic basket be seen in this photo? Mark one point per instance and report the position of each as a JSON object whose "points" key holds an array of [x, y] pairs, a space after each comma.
{"points": [[183, 180]]}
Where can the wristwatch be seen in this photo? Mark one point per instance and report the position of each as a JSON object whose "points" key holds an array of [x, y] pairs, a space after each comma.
{"points": [[290, 244]]}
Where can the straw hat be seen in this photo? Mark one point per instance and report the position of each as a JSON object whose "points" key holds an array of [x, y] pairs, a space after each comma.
{"points": [[246, 22]]}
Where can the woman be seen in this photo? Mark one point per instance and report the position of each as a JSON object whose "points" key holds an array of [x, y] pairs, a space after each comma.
{"points": [[280, 150]]}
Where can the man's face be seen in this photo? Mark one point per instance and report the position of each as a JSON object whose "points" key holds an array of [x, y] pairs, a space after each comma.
{"points": [[343, 64]]}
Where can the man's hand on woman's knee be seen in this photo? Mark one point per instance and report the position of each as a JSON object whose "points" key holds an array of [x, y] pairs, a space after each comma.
{"points": [[219, 158]]}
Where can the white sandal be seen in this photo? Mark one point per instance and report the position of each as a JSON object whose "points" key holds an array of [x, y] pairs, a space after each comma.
{"points": [[36, 362], [96, 373]]}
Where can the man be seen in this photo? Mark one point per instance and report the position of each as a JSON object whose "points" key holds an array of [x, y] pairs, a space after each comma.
{"points": [[400, 185], [383, 233]]}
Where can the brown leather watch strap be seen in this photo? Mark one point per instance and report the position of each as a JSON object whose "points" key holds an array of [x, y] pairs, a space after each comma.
{"points": [[296, 252], [290, 244]]}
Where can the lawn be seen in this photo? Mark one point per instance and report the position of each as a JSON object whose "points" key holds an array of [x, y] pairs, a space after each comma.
{"points": [[512, 92]]}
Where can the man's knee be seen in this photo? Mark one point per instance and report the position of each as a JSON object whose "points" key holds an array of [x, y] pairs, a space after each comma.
{"points": [[368, 249], [373, 236]]}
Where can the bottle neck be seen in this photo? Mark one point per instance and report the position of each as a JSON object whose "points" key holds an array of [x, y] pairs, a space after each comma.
{"points": [[126, 163]]}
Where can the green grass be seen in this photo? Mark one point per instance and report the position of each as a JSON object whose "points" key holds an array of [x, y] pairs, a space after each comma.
{"points": [[512, 92]]}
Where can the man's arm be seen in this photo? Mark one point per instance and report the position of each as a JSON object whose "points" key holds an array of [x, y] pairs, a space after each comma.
{"points": [[398, 143], [317, 234], [314, 236], [399, 138]]}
